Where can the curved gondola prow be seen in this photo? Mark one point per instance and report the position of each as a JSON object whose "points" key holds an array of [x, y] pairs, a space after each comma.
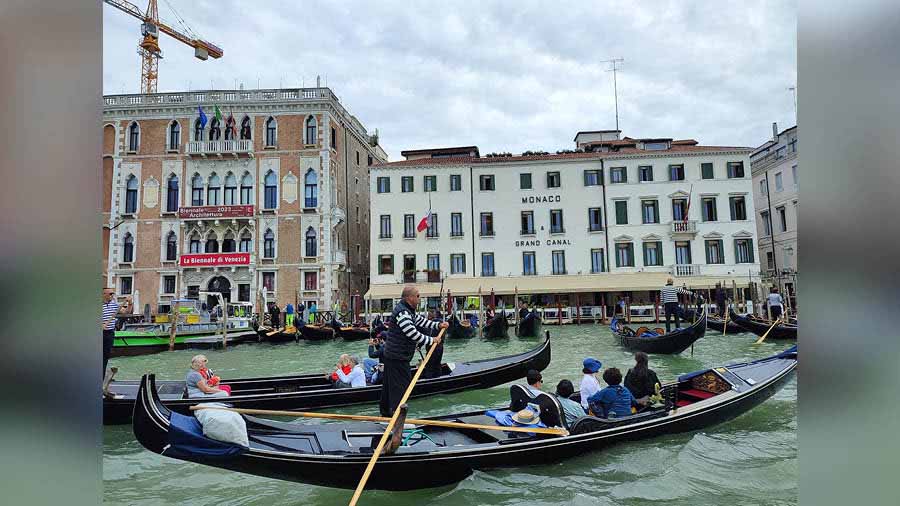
{"points": [[150, 418]]}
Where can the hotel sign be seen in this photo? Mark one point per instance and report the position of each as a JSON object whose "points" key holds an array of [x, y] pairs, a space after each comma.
{"points": [[214, 259], [215, 212]]}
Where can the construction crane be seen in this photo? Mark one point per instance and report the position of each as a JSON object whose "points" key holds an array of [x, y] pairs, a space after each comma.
{"points": [[148, 47]]}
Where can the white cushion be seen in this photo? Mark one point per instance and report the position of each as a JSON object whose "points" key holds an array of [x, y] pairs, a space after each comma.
{"points": [[225, 426]]}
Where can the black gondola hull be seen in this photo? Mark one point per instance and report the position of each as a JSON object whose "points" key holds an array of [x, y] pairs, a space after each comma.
{"points": [[671, 344], [457, 330], [780, 331], [353, 334], [715, 324], [496, 327], [530, 326], [316, 332]]}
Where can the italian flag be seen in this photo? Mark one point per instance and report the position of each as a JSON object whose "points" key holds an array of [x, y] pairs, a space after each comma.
{"points": [[425, 221]]}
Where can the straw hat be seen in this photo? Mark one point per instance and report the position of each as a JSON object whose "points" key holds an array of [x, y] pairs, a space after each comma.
{"points": [[526, 417]]}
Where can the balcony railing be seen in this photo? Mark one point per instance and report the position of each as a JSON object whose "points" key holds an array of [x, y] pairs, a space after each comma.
{"points": [[679, 270], [684, 227], [219, 147], [409, 276], [434, 276]]}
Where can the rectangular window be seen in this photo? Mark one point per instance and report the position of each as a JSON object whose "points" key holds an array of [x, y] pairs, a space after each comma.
{"points": [[196, 196], [676, 172], [625, 255], [683, 253], [645, 173], [369, 159], [618, 175], [525, 181], [782, 218], [385, 226], [735, 170], [653, 254], [738, 208], [770, 260], [708, 208], [595, 220], [597, 261], [310, 280], [486, 182], [592, 177], [456, 228], [529, 268], [333, 139], [244, 246], [406, 184], [385, 264], [384, 185], [409, 226], [527, 223], [706, 171], [432, 230], [244, 292], [767, 223], [553, 180], [679, 209], [763, 187], [194, 246], [650, 211], [409, 268], [779, 185], [168, 284], [556, 221], [357, 158], [559, 262], [743, 251], [434, 262], [268, 281], [794, 174], [458, 263], [431, 183], [715, 253], [621, 212], [487, 224], [487, 264], [455, 182]]}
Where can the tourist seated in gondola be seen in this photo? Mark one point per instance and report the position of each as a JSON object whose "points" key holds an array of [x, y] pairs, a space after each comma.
{"points": [[535, 381], [615, 400], [355, 378], [572, 410], [523, 310], [370, 365], [201, 382], [641, 380], [343, 365], [589, 384]]}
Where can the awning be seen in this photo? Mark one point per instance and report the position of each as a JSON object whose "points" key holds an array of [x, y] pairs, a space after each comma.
{"points": [[534, 285]]}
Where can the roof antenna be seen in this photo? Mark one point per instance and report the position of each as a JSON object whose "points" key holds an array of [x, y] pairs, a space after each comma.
{"points": [[615, 85]]}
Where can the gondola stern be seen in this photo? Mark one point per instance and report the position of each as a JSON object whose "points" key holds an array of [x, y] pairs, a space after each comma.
{"points": [[150, 419]]}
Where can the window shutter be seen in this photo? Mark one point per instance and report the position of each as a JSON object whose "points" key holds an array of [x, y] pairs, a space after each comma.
{"points": [[708, 252], [750, 249], [631, 255], [737, 256], [659, 254], [645, 253], [721, 251]]}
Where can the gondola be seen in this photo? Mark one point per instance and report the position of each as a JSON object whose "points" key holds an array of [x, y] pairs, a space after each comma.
{"points": [[316, 332], [335, 454], [496, 327], [715, 324], [760, 326], [313, 391], [460, 330], [530, 326], [280, 335], [656, 340], [355, 332]]}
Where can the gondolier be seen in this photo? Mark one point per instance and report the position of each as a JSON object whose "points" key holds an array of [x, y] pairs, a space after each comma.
{"points": [[405, 333], [669, 297], [110, 309]]}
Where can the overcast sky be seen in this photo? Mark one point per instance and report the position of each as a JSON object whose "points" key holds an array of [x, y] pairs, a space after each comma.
{"points": [[504, 76]]}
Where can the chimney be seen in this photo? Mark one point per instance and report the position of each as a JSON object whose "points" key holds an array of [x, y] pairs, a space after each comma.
{"points": [[774, 131], [318, 82]]}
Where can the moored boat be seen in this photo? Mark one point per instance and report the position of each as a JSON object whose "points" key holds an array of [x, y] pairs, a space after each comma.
{"points": [[498, 326], [460, 329], [313, 391], [279, 335], [353, 332], [336, 454], [657, 340], [760, 326], [716, 324], [530, 325], [316, 332]]}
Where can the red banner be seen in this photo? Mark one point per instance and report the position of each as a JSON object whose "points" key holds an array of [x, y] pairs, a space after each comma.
{"points": [[215, 212], [214, 259]]}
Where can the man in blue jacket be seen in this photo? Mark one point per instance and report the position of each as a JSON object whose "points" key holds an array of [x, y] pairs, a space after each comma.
{"points": [[613, 399]]}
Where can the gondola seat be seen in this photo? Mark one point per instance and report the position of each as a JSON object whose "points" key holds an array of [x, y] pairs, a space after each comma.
{"points": [[589, 423], [551, 411], [641, 330], [659, 330], [519, 397]]}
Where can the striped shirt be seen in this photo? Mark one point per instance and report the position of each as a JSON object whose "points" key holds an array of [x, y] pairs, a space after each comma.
{"points": [[669, 293], [110, 310], [408, 323]]}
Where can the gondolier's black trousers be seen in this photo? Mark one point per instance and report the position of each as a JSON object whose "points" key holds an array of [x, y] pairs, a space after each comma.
{"points": [[776, 312], [672, 308], [108, 336], [395, 380]]}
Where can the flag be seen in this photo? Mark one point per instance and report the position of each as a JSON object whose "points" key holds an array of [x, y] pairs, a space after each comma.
{"points": [[425, 222], [687, 212], [218, 113], [202, 117]]}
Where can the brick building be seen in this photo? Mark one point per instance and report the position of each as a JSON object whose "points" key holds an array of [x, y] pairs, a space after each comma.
{"points": [[268, 197]]}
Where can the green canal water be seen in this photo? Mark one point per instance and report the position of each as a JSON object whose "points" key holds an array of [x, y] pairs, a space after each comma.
{"points": [[749, 460]]}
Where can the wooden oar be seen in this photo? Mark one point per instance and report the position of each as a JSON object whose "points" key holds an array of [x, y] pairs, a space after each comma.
{"points": [[274, 332], [761, 339], [725, 326], [367, 418]]}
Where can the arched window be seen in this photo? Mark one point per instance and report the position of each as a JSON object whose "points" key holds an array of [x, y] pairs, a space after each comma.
{"points": [[311, 130], [230, 190], [197, 190], [195, 243], [213, 190], [198, 130], [311, 249], [174, 135], [271, 132], [172, 194], [245, 128], [269, 244], [128, 248], [246, 189], [131, 188], [228, 244], [271, 190], [215, 131], [134, 133], [246, 244], [171, 246], [212, 244], [311, 189], [229, 128]]}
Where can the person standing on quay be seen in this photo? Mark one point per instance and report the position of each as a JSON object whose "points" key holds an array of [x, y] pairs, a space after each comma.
{"points": [[669, 297], [405, 332], [289, 315], [109, 311]]}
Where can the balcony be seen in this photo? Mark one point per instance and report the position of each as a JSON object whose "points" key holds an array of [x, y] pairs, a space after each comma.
{"points": [[219, 148], [684, 228], [683, 270]]}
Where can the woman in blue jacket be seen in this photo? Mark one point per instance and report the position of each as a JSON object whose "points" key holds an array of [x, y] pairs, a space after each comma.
{"points": [[613, 399]]}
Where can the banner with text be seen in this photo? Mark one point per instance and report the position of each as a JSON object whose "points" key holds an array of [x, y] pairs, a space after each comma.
{"points": [[215, 212], [214, 259]]}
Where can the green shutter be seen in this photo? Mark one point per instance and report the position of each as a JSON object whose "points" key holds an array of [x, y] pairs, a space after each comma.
{"points": [[736, 256], [750, 249], [645, 253], [631, 254], [621, 212], [721, 251], [706, 245], [659, 254]]}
